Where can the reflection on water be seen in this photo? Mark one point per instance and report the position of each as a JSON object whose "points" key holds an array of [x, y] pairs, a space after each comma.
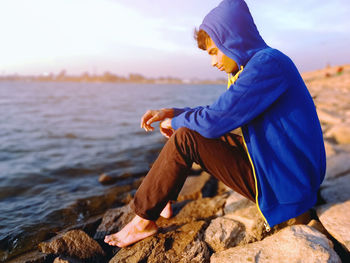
{"points": [[56, 138]]}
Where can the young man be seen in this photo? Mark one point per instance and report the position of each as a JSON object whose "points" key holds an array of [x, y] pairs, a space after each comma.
{"points": [[278, 162]]}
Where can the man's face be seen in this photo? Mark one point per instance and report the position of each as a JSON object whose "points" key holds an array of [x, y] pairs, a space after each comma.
{"points": [[219, 59]]}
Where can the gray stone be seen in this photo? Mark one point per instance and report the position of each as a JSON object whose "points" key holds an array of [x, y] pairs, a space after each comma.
{"points": [[243, 210], [338, 165], [299, 244], [223, 233], [335, 218], [75, 243], [336, 190]]}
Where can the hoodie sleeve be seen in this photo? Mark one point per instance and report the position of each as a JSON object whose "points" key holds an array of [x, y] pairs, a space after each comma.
{"points": [[260, 84]]}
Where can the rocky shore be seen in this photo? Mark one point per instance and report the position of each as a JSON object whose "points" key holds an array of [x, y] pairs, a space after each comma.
{"points": [[212, 223]]}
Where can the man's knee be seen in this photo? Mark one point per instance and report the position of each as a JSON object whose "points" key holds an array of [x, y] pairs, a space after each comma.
{"points": [[183, 131], [183, 134]]}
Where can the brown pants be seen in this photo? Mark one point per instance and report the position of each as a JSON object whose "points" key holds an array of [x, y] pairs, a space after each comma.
{"points": [[225, 158]]}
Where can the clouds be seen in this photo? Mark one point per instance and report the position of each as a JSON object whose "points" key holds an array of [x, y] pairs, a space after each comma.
{"points": [[126, 35]]}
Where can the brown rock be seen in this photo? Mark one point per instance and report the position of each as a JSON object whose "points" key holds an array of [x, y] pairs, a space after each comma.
{"points": [[340, 132], [106, 179], [201, 209], [114, 220], [60, 260], [75, 243], [298, 243], [319, 227], [223, 188], [193, 186], [31, 257], [181, 244], [335, 218], [223, 233], [329, 149], [329, 117], [195, 252], [196, 167]]}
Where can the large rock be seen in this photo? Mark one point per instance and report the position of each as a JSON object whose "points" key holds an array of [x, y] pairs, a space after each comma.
{"points": [[75, 243], [179, 245], [329, 117], [32, 257], [223, 233], [201, 209], [336, 190], [338, 165], [298, 243], [335, 218], [193, 187], [340, 132], [243, 210], [114, 220], [330, 151]]}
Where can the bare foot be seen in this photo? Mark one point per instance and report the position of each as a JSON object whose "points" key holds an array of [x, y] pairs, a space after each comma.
{"points": [[136, 230], [167, 211]]}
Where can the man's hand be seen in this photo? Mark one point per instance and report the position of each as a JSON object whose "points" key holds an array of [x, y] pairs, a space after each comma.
{"points": [[153, 116], [165, 128]]}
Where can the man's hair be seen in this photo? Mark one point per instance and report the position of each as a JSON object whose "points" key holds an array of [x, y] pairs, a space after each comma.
{"points": [[202, 38]]}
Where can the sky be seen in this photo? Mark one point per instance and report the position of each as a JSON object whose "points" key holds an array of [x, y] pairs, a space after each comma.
{"points": [[155, 37]]}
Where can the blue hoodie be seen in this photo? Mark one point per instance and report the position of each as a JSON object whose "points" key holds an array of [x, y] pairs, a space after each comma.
{"points": [[275, 111]]}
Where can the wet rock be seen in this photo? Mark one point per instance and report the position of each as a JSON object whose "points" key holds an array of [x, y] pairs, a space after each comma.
{"points": [[61, 260], [338, 165], [336, 190], [335, 218], [292, 244], [114, 220], [179, 245], [193, 187], [340, 132], [243, 210], [106, 179], [223, 233], [75, 243], [32, 257]]}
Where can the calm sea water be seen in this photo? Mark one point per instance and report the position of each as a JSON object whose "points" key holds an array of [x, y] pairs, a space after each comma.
{"points": [[57, 138]]}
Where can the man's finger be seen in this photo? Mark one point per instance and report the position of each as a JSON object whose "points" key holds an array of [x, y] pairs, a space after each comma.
{"points": [[145, 117], [153, 119]]}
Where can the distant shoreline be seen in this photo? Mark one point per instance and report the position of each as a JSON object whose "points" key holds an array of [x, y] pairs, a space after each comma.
{"points": [[108, 78]]}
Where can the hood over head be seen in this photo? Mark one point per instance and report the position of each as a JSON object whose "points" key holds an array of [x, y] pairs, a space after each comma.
{"points": [[231, 27]]}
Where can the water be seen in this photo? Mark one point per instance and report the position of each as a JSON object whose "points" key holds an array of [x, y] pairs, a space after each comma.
{"points": [[57, 138]]}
